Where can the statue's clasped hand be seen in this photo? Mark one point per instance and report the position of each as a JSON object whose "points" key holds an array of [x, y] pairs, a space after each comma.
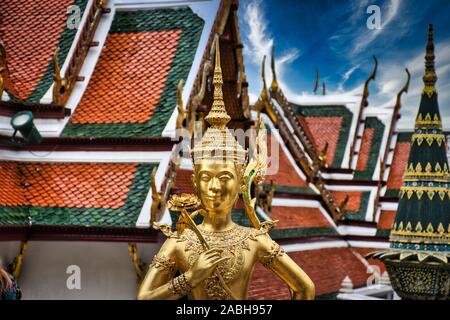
{"points": [[204, 266]]}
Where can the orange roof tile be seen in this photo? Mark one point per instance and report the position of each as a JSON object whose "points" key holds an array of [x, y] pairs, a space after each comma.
{"points": [[129, 78], [73, 185], [299, 217], [399, 162], [364, 151], [326, 267], [11, 193], [386, 219], [323, 130], [30, 31], [286, 175]]}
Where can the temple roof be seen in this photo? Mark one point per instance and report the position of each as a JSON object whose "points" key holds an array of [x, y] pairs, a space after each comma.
{"points": [[73, 194], [370, 150], [297, 222], [31, 31], [326, 267], [398, 166], [127, 61], [327, 124], [132, 91]]}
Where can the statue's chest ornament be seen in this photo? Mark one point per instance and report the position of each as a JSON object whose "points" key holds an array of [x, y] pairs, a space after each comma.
{"points": [[233, 243]]}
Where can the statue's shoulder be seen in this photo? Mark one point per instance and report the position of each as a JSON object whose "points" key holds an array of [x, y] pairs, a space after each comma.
{"points": [[263, 231], [167, 231]]}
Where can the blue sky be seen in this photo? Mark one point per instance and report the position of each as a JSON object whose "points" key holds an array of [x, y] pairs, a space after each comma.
{"points": [[333, 35]]}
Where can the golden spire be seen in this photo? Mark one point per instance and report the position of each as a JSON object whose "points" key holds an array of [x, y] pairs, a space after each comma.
{"points": [[430, 76], [274, 85], [218, 117], [218, 143]]}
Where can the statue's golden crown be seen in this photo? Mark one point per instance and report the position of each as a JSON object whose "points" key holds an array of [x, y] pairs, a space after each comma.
{"points": [[218, 144]]}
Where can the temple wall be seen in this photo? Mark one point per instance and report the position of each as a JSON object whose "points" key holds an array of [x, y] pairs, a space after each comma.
{"points": [[106, 269]]}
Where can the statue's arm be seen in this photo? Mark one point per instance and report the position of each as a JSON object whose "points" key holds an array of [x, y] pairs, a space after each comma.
{"points": [[160, 284], [274, 258], [157, 284]]}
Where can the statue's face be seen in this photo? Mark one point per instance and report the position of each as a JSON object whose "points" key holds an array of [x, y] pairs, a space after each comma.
{"points": [[217, 185]]}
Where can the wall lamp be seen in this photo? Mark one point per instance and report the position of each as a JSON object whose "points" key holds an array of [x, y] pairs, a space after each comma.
{"points": [[23, 122]]}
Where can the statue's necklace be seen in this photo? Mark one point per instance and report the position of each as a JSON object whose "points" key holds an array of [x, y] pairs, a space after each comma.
{"points": [[232, 242]]}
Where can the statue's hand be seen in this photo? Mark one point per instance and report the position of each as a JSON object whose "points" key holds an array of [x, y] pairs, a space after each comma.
{"points": [[204, 266]]}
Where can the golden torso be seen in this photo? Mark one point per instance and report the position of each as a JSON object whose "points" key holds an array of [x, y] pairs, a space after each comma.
{"points": [[240, 244]]}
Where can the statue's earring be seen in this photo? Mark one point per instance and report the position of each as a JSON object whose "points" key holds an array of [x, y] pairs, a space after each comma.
{"points": [[194, 183]]}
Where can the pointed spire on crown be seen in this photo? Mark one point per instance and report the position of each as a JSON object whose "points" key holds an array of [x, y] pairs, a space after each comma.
{"points": [[218, 116]]}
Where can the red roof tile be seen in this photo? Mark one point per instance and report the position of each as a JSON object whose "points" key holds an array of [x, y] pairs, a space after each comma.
{"points": [[326, 267], [386, 219], [11, 193], [129, 78], [80, 185], [299, 217], [354, 201], [364, 151], [286, 175], [265, 285], [323, 130], [183, 181], [30, 31], [399, 162]]}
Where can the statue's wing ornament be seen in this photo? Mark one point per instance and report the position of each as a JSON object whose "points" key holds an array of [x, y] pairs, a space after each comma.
{"points": [[255, 173]]}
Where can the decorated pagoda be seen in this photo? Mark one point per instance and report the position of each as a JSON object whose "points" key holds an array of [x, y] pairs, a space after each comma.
{"points": [[418, 258]]}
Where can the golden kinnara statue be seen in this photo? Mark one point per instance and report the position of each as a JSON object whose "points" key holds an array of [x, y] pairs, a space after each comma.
{"points": [[215, 259]]}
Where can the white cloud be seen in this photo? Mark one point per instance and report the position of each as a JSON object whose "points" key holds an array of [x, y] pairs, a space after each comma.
{"points": [[252, 98], [259, 43], [346, 76], [392, 77], [391, 74]]}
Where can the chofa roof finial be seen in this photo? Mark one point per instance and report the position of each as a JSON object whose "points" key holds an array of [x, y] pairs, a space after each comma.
{"points": [[316, 84], [264, 95], [274, 85]]}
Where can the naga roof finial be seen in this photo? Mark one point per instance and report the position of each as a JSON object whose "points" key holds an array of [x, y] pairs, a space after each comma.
{"points": [[274, 86], [264, 94]]}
